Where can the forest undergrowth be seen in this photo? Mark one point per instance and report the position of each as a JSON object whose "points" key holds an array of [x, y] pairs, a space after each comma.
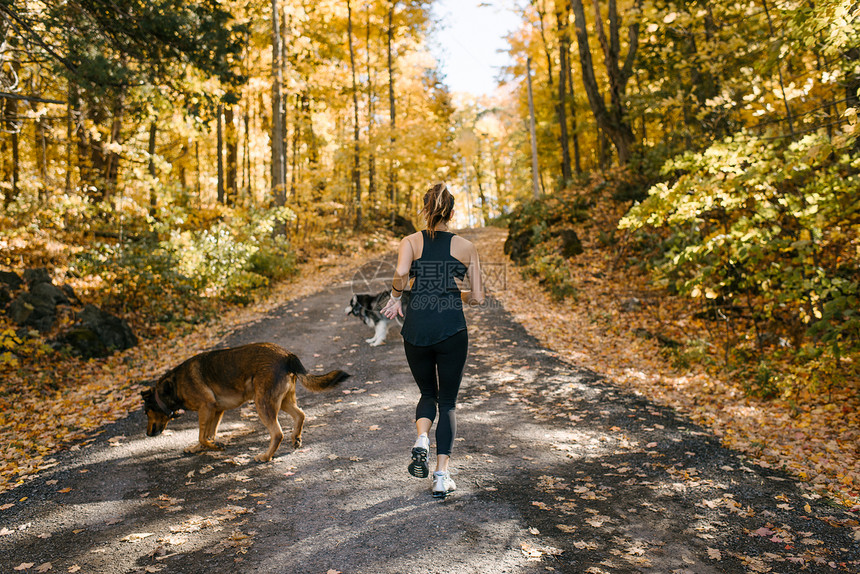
{"points": [[601, 313]]}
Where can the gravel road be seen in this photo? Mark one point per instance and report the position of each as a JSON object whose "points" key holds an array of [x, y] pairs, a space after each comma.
{"points": [[556, 468]]}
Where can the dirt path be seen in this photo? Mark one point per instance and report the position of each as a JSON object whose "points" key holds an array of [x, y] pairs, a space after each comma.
{"points": [[557, 470]]}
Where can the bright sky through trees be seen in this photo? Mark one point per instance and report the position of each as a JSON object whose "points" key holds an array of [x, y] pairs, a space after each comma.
{"points": [[470, 42]]}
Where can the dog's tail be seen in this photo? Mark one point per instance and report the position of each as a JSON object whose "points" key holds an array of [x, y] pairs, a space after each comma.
{"points": [[313, 383], [317, 383]]}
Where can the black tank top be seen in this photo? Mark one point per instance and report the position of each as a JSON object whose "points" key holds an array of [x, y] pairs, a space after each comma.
{"points": [[433, 310]]}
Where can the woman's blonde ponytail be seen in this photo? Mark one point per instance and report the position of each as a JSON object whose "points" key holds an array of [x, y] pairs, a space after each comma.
{"points": [[438, 206]]}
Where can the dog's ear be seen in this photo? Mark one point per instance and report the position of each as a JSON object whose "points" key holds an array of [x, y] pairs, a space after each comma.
{"points": [[168, 386]]}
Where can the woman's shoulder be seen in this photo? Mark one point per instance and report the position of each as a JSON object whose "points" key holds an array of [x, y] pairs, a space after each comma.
{"points": [[460, 241], [462, 248]]}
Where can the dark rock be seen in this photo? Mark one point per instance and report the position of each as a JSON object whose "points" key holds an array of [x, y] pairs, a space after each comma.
{"points": [[518, 245], [402, 226], [83, 342], [571, 246], [35, 276], [29, 310], [630, 305], [5, 296], [98, 334], [70, 293], [11, 280], [49, 292]]}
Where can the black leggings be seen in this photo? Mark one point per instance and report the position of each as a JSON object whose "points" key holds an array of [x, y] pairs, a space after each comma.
{"points": [[448, 357]]}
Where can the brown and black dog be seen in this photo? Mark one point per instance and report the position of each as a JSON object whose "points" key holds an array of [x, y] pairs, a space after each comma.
{"points": [[213, 382]]}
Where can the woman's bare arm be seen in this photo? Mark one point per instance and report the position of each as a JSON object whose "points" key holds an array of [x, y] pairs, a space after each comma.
{"points": [[405, 255], [476, 295]]}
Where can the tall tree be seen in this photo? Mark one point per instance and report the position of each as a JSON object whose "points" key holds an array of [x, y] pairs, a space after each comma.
{"points": [[392, 116], [371, 155], [231, 145], [532, 132], [613, 120], [279, 176], [561, 16], [356, 165]]}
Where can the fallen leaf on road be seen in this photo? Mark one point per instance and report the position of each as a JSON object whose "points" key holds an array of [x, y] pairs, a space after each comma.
{"points": [[44, 567], [74, 568], [373, 427], [534, 531], [65, 490], [7, 506], [24, 566], [714, 554], [136, 536], [565, 528], [332, 571]]}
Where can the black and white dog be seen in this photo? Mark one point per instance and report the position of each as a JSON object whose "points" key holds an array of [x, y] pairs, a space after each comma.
{"points": [[368, 308]]}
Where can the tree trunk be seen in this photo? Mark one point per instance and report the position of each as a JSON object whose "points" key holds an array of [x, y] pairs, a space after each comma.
{"points": [[479, 181], [560, 113], [219, 152], [246, 151], [532, 132], [40, 143], [392, 116], [70, 130], [278, 175], [356, 165], [612, 121], [294, 155], [111, 170], [153, 198], [577, 159], [561, 16], [371, 159], [12, 127], [231, 182], [852, 80]]}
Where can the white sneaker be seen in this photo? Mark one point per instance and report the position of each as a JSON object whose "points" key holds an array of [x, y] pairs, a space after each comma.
{"points": [[443, 484], [418, 466]]}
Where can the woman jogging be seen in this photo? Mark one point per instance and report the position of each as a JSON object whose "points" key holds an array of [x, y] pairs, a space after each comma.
{"points": [[434, 328]]}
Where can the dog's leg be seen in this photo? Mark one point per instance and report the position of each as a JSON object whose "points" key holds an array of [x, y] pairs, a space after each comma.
{"points": [[206, 414], [289, 406], [268, 413], [213, 426], [379, 337]]}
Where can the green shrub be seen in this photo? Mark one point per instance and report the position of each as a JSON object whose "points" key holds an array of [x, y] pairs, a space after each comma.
{"points": [[552, 272], [242, 286]]}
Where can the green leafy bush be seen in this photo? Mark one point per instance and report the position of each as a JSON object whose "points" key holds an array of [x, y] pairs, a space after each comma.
{"points": [[768, 228], [190, 261]]}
